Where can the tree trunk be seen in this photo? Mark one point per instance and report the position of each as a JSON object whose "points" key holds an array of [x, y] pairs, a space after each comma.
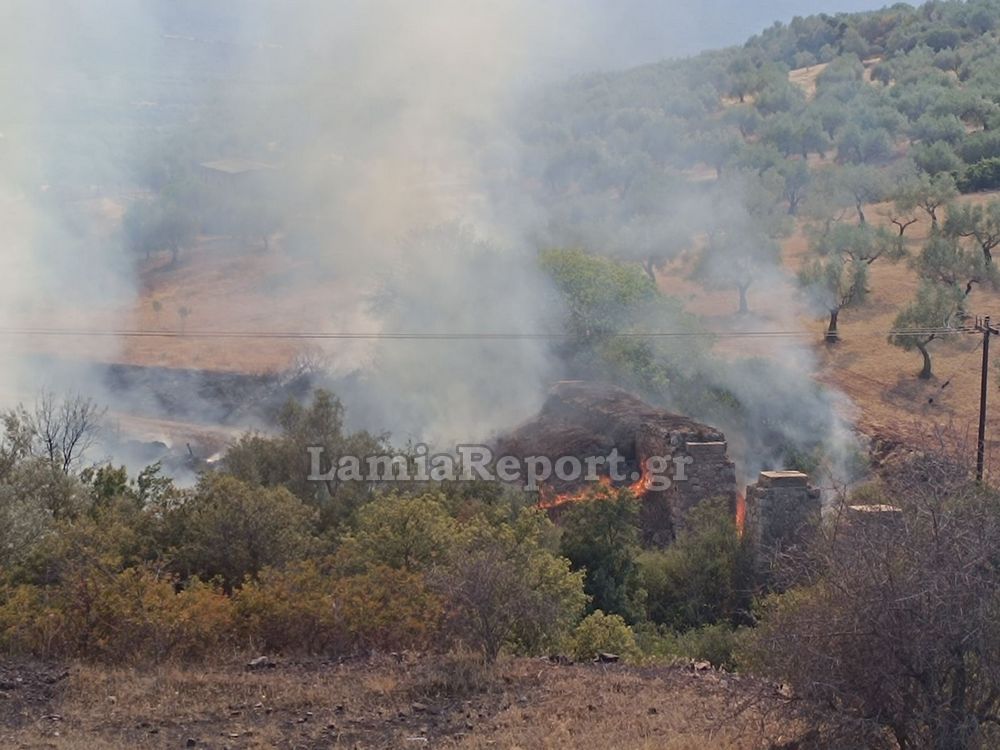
{"points": [[832, 336], [861, 212], [925, 373], [175, 252], [649, 266], [744, 307]]}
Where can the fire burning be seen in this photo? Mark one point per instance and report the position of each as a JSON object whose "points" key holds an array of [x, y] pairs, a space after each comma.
{"points": [[585, 419], [547, 498], [741, 512]]}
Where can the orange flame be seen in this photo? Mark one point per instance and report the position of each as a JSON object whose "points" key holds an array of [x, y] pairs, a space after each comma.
{"points": [[546, 499], [741, 513]]}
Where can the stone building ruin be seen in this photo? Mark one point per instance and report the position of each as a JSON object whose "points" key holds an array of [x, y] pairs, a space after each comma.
{"points": [[583, 419]]}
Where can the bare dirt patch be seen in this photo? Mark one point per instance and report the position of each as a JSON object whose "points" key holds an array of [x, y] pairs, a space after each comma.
{"points": [[27, 692], [806, 78]]}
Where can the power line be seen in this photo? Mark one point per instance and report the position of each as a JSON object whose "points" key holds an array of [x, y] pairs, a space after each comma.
{"points": [[444, 336], [961, 367]]}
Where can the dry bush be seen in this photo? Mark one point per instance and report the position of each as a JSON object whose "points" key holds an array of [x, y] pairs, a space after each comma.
{"points": [[308, 608], [453, 675], [898, 623], [133, 615]]}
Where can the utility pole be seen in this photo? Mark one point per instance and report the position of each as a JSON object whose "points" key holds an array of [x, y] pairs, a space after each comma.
{"points": [[983, 325]]}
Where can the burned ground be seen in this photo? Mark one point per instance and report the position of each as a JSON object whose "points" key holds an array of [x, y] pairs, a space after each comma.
{"points": [[404, 702]]}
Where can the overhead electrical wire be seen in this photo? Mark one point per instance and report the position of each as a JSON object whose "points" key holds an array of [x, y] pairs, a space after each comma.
{"points": [[445, 336]]}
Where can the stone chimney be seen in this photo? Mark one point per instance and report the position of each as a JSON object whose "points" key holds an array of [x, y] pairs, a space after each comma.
{"points": [[782, 511]]}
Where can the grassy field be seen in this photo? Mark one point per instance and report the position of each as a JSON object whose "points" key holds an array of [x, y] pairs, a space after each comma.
{"points": [[396, 703]]}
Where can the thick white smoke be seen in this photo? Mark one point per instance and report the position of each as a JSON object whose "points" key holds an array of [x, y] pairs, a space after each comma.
{"points": [[399, 179]]}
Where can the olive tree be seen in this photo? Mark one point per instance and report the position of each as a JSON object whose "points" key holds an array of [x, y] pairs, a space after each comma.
{"points": [[979, 222], [836, 275], [935, 309]]}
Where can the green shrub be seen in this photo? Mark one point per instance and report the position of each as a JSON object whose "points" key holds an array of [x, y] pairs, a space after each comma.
{"points": [[600, 633], [232, 529], [705, 577], [404, 532], [717, 644], [601, 537]]}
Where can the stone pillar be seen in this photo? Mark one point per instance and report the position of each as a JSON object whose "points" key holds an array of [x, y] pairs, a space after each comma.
{"points": [[707, 474], [783, 511]]}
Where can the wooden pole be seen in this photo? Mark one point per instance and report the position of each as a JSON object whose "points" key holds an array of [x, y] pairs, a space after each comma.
{"points": [[983, 390]]}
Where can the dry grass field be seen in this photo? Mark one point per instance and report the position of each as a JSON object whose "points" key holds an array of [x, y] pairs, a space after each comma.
{"points": [[395, 703], [887, 399]]}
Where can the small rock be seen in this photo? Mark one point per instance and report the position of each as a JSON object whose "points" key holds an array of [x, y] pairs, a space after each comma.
{"points": [[261, 662], [652, 711], [702, 666], [191, 742], [418, 707]]}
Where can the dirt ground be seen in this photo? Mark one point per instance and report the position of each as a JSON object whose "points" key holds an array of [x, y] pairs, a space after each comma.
{"points": [[411, 702]]}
